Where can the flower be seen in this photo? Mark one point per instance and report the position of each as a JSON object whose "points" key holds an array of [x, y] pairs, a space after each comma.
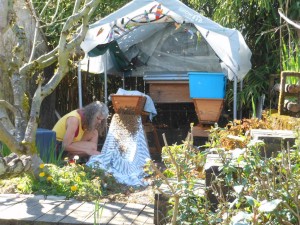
{"points": [[76, 157], [20, 186], [42, 174], [42, 165], [73, 188], [49, 178], [77, 179]]}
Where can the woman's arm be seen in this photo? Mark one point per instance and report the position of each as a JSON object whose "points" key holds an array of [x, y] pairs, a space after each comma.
{"points": [[88, 144]]}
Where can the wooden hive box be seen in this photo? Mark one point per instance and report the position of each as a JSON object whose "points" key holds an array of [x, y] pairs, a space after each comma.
{"points": [[128, 103], [208, 110], [169, 91]]}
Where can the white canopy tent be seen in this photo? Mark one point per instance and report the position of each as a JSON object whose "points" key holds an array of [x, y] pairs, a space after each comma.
{"points": [[129, 34]]}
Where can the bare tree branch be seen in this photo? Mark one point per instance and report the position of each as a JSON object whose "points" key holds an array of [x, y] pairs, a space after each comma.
{"points": [[10, 141], [56, 11], [36, 29], [297, 25], [9, 106], [41, 62], [76, 6]]}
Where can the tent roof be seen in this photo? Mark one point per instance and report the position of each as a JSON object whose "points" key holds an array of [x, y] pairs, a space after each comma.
{"points": [[126, 26]]}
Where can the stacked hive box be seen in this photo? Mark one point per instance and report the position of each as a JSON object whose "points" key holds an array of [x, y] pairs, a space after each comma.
{"points": [[208, 92]]}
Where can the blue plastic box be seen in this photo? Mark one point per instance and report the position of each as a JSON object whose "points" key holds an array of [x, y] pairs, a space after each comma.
{"points": [[45, 143], [207, 85]]}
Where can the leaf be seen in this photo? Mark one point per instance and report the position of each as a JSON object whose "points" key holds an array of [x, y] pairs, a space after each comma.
{"points": [[269, 206], [238, 188], [232, 204], [240, 218], [250, 200]]}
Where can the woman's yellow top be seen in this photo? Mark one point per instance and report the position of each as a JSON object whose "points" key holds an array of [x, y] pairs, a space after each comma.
{"points": [[60, 127]]}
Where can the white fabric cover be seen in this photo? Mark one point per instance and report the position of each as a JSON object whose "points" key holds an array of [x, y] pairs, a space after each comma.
{"points": [[126, 167], [228, 44]]}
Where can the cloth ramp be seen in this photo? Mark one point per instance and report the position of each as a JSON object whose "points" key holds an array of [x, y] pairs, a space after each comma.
{"points": [[125, 150]]}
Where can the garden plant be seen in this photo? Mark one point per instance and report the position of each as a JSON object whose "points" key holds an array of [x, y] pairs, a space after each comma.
{"points": [[261, 190]]}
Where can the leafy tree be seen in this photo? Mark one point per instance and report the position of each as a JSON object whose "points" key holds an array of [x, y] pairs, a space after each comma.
{"points": [[20, 114], [260, 24]]}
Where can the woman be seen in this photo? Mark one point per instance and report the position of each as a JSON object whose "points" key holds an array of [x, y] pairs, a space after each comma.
{"points": [[77, 132]]}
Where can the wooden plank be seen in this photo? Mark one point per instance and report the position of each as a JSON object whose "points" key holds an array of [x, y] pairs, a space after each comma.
{"points": [[168, 82], [58, 213], [29, 209], [285, 95], [80, 215], [7, 200], [107, 212], [23, 207], [273, 139], [36, 210], [146, 216], [128, 214], [170, 93], [260, 133], [200, 131]]}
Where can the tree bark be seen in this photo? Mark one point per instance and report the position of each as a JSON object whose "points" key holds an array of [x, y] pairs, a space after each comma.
{"points": [[19, 137], [13, 165]]}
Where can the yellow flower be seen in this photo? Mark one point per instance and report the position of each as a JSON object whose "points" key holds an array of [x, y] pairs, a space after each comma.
{"points": [[20, 186], [77, 179], [82, 173], [42, 174], [49, 178], [42, 165], [73, 188]]}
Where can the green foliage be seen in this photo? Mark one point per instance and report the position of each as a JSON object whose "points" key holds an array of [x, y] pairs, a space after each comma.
{"points": [[186, 161], [72, 180], [184, 166], [4, 150], [291, 56], [259, 23], [259, 190], [54, 17], [97, 212], [268, 187], [234, 134], [253, 108]]}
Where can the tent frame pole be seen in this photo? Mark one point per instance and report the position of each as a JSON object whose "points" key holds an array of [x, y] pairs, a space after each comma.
{"points": [[123, 80], [241, 89], [235, 98], [105, 79], [79, 84]]}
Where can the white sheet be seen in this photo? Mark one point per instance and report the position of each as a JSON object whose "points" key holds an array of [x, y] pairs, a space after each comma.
{"points": [[126, 167]]}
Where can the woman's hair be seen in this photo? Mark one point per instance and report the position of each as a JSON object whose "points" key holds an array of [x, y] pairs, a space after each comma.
{"points": [[90, 112]]}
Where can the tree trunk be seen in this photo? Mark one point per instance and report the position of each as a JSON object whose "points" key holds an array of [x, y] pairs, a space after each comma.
{"points": [[19, 135], [48, 117]]}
